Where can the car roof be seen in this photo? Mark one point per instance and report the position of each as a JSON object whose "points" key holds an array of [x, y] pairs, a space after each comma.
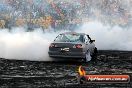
{"points": [[73, 33]]}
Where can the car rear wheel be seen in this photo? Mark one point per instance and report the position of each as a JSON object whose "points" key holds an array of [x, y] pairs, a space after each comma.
{"points": [[87, 56]]}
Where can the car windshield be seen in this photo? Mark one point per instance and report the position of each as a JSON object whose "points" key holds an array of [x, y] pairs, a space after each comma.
{"points": [[69, 38]]}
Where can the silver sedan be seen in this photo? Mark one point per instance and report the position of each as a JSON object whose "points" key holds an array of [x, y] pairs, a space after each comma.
{"points": [[73, 45]]}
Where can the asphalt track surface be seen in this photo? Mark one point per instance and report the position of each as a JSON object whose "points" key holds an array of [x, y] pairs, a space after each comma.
{"points": [[37, 74]]}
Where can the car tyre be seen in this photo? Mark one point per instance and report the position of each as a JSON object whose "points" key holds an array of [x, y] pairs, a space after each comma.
{"points": [[87, 56]]}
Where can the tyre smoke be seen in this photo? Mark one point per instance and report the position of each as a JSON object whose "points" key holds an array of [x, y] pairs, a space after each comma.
{"points": [[22, 45], [107, 37]]}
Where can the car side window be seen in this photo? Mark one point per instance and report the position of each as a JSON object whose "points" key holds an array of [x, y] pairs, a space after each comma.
{"points": [[86, 39]]}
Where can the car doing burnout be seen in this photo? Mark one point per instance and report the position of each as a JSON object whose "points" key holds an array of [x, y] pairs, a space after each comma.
{"points": [[73, 45]]}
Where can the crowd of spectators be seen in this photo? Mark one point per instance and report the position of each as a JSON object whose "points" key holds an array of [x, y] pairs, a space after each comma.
{"points": [[63, 14]]}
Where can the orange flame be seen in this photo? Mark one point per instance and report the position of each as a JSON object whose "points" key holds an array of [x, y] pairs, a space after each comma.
{"points": [[81, 71]]}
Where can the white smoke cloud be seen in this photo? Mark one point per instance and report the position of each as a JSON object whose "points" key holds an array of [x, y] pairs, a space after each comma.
{"points": [[22, 45], [108, 38]]}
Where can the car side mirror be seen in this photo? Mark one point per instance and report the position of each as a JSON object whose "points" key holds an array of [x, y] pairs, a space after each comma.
{"points": [[91, 41]]}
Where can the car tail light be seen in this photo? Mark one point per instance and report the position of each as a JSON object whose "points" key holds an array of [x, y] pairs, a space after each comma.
{"points": [[51, 45], [77, 46]]}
